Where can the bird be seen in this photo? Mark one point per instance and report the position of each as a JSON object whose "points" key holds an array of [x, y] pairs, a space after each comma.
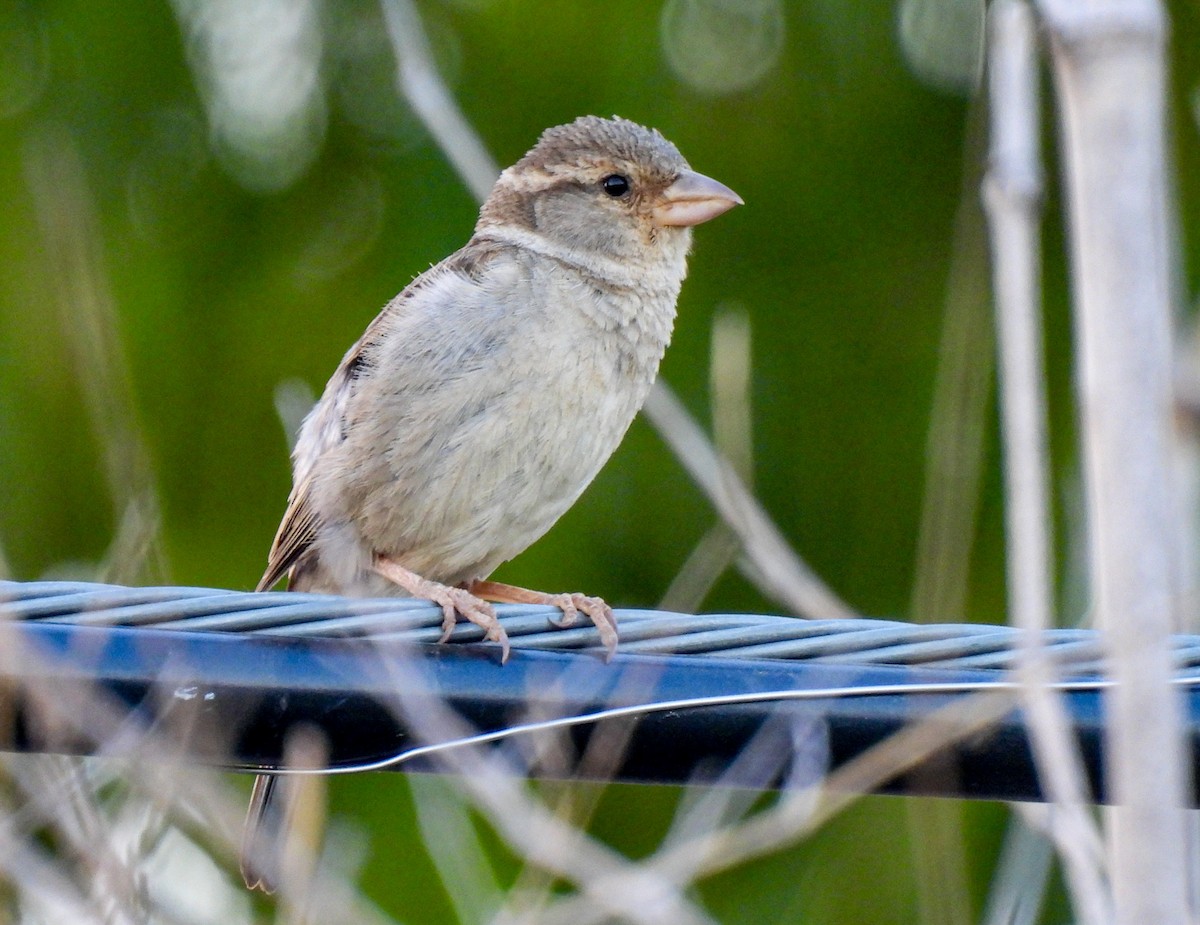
{"points": [[486, 396]]}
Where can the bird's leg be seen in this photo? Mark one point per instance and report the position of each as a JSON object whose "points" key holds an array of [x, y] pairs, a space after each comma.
{"points": [[453, 601], [570, 604]]}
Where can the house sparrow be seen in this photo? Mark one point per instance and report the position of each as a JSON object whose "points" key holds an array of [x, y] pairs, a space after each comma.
{"points": [[485, 397]]}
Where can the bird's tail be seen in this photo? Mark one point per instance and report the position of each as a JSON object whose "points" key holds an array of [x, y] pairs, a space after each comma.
{"points": [[261, 836]]}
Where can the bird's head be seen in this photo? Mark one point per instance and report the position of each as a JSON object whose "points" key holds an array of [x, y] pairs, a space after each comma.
{"points": [[609, 187]]}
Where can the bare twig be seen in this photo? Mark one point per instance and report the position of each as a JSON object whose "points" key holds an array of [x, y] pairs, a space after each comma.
{"points": [[418, 80], [529, 827], [768, 559], [1013, 196], [1109, 69], [729, 388], [945, 540], [1019, 887], [87, 325]]}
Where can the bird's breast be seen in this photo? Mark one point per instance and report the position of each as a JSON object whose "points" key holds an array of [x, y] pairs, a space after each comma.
{"points": [[501, 425]]}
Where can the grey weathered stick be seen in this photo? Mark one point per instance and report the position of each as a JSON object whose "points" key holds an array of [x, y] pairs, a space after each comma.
{"points": [[776, 568], [729, 388], [1109, 68], [1013, 190], [1018, 887], [418, 79], [66, 214], [951, 495], [954, 444], [619, 887]]}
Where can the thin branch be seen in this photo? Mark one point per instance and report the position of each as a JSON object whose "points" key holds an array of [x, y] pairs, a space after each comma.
{"points": [[1108, 59], [1019, 887], [419, 82], [767, 557], [1013, 191], [88, 327], [530, 828], [954, 466]]}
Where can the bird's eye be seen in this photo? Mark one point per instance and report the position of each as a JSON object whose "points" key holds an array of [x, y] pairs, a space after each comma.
{"points": [[615, 185]]}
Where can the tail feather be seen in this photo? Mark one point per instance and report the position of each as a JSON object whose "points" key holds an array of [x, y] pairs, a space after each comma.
{"points": [[261, 836]]}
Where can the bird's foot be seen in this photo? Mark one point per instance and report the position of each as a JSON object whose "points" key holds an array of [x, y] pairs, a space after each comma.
{"points": [[453, 601], [571, 606]]}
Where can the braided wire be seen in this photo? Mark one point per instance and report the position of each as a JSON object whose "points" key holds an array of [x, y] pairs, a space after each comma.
{"points": [[848, 642]]}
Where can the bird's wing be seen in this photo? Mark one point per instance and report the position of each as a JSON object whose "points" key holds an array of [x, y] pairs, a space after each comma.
{"points": [[327, 424], [323, 429], [295, 535]]}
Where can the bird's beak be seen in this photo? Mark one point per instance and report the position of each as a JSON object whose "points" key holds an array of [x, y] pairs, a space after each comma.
{"points": [[693, 198]]}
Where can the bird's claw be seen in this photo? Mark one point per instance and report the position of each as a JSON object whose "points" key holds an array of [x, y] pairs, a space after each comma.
{"points": [[596, 610], [456, 602], [453, 601]]}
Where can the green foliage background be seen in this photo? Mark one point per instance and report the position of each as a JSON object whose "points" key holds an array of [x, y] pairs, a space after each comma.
{"points": [[853, 171]]}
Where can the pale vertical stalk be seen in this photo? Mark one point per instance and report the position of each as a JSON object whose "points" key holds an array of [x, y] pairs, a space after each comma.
{"points": [[954, 457], [954, 445], [1187, 473], [1019, 887], [729, 391], [1109, 68], [1186, 449], [305, 798], [768, 560], [67, 215], [456, 849], [729, 382], [434, 104], [1012, 196]]}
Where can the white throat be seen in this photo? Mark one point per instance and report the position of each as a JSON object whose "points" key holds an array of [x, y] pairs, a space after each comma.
{"points": [[615, 273]]}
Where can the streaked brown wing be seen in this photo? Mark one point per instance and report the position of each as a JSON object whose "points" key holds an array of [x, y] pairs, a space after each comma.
{"points": [[293, 539], [330, 418]]}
